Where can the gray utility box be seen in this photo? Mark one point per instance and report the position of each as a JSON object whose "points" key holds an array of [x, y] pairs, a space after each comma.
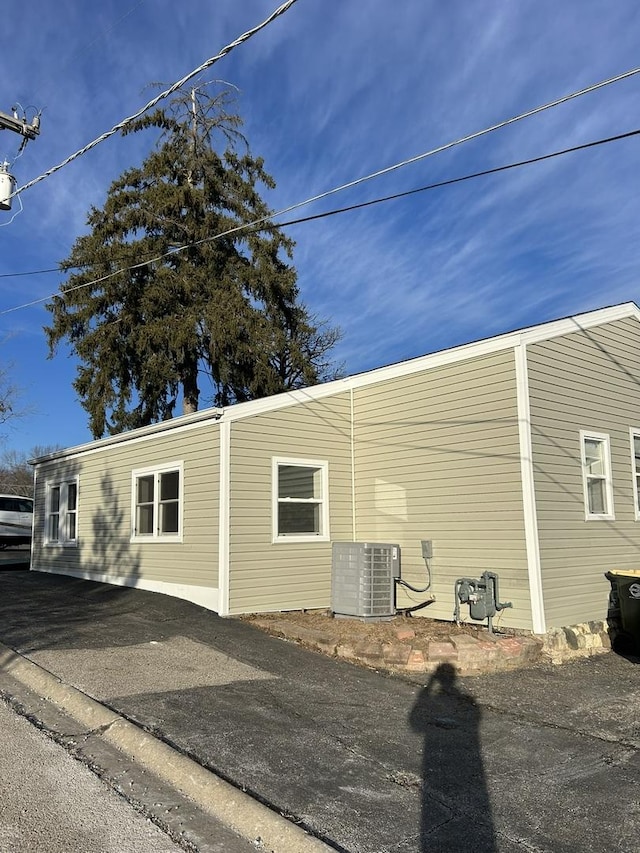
{"points": [[363, 579]]}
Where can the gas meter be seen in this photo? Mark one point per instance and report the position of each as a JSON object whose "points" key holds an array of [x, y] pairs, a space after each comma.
{"points": [[481, 594]]}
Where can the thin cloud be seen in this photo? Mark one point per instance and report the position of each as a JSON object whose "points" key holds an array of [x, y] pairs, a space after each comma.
{"points": [[330, 93]]}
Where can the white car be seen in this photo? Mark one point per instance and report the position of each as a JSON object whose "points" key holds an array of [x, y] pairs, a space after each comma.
{"points": [[16, 520]]}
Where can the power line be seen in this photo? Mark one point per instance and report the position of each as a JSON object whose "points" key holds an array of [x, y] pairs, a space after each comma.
{"points": [[244, 37], [103, 32], [457, 180], [563, 100], [33, 272], [247, 35], [358, 206], [260, 224], [468, 138], [121, 125]]}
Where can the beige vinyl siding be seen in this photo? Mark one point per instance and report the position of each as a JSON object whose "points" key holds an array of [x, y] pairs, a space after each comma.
{"points": [[590, 381], [56, 558], [267, 576], [104, 511], [437, 457]]}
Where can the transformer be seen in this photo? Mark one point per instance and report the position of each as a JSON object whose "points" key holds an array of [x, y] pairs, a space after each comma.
{"points": [[7, 186]]}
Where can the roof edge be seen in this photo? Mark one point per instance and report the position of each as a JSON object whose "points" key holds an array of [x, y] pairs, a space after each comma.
{"points": [[485, 346], [140, 432]]}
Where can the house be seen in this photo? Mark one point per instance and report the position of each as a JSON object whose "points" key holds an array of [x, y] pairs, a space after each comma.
{"points": [[517, 454]]}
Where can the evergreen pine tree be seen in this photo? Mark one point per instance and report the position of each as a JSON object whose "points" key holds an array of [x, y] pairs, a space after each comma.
{"points": [[147, 318]]}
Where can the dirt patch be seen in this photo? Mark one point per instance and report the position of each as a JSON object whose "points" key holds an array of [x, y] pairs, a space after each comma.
{"points": [[413, 647], [417, 632]]}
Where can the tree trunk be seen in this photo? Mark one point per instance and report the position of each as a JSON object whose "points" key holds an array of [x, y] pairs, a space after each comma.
{"points": [[191, 392]]}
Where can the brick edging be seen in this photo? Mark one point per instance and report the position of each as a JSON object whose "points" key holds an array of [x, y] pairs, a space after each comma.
{"points": [[468, 654]]}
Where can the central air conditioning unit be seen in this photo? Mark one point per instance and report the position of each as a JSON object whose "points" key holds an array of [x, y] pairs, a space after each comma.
{"points": [[363, 579]]}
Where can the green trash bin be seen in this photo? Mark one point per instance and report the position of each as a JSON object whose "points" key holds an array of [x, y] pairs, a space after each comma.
{"points": [[624, 609]]}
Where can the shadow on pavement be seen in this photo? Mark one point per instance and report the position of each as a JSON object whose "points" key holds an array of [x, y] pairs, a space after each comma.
{"points": [[15, 558], [42, 610], [448, 718]]}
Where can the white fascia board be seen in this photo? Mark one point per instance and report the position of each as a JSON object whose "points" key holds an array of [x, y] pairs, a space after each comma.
{"points": [[569, 325], [183, 423], [487, 346], [238, 411], [300, 396]]}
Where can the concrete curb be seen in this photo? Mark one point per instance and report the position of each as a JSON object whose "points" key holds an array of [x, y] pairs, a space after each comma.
{"points": [[237, 810]]}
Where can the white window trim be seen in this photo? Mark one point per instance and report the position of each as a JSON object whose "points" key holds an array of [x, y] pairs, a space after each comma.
{"points": [[156, 470], [293, 538], [606, 440], [63, 484], [633, 433]]}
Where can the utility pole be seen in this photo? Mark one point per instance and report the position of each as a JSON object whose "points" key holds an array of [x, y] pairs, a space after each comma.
{"points": [[27, 131], [20, 125]]}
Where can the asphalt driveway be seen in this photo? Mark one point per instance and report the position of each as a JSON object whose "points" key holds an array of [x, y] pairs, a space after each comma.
{"points": [[537, 760]]}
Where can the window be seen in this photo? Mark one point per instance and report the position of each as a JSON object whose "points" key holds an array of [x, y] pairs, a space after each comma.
{"points": [[635, 466], [596, 475], [62, 513], [157, 503], [300, 500]]}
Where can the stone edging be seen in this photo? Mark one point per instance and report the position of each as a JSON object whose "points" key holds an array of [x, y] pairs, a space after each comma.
{"points": [[469, 655], [577, 641]]}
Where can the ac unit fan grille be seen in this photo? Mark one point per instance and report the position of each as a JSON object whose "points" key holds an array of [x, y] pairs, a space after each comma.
{"points": [[362, 579]]}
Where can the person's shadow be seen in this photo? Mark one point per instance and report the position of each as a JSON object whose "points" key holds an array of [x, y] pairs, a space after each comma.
{"points": [[455, 808]]}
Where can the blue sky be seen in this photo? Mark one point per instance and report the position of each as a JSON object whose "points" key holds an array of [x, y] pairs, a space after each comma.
{"points": [[331, 91]]}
